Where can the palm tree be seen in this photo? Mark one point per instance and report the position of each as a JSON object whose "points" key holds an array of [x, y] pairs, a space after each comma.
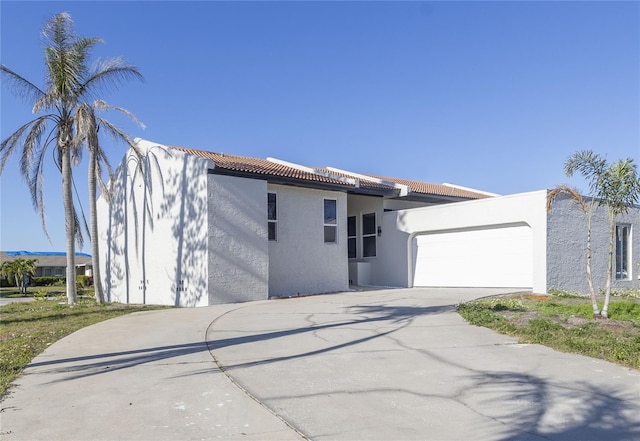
{"points": [[620, 189], [68, 83], [87, 126], [591, 166], [587, 209], [19, 269], [615, 186]]}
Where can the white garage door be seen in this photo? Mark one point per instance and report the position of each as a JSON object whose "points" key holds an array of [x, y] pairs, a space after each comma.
{"points": [[493, 257]]}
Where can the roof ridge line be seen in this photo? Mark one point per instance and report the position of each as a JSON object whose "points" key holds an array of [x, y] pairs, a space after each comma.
{"points": [[474, 190], [404, 189], [315, 171]]}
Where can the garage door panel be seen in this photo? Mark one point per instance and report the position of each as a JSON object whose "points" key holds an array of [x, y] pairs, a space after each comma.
{"points": [[496, 257]]}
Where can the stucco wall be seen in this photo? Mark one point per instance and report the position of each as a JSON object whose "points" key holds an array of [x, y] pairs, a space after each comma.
{"points": [[396, 246], [567, 241], [299, 261], [237, 240], [151, 235]]}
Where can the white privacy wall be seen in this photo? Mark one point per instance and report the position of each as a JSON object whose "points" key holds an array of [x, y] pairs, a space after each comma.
{"points": [[237, 239], [152, 236], [397, 245], [299, 261], [567, 241]]}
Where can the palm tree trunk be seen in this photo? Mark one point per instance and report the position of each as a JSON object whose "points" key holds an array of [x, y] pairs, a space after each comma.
{"points": [[607, 297], [70, 225], [93, 219], [592, 292]]}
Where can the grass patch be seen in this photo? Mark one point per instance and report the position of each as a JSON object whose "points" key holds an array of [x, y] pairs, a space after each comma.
{"points": [[564, 323], [27, 329], [51, 291]]}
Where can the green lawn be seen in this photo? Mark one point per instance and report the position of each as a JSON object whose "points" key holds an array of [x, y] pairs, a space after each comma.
{"points": [[27, 329], [564, 323]]}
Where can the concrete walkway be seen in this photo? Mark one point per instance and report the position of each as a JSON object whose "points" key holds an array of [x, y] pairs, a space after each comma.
{"points": [[386, 365]]}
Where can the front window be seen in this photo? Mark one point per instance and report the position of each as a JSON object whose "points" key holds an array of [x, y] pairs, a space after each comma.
{"points": [[369, 235], [330, 221], [623, 251], [272, 216]]}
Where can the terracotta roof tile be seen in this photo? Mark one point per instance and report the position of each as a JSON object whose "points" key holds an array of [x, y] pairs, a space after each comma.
{"points": [[263, 167], [258, 166], [436, 189]]}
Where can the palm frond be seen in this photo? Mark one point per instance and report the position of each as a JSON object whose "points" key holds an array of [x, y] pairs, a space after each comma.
{"points": [[20, 85], [109, 74], [29, 131], [101, 105], [590, 165], [572, 192]]}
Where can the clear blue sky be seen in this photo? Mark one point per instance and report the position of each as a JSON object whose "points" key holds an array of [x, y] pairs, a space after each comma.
{"points": [[490, 95]]}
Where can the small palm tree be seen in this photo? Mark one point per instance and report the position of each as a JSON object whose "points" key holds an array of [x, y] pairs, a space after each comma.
{"points": [[615, 186], [620, 189], [587, 209], [19, 269], [69, 82]]}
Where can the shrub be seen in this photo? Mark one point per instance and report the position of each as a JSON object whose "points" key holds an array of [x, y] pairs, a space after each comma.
{"points": [[626, 293], [565, 293], [40, 294], [49, 281], [82, 281]]}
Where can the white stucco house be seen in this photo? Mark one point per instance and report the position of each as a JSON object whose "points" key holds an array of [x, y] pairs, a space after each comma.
{"points": [[194, 228]]}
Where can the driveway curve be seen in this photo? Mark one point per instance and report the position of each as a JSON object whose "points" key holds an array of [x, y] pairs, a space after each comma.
{"points": [[376, 365], [402, 364]]}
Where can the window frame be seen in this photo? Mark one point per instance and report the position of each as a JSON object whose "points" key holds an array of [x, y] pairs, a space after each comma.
{"points": [[622, 250], [352, 238], [273, 221], [369, 236], [332, 224]]}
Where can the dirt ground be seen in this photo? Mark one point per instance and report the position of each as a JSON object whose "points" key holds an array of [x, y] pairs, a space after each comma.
{"points": [[521, 318]]}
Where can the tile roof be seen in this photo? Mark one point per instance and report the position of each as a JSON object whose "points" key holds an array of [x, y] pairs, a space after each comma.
{"points": [[353, 182], [436, 189], [246, 164]]}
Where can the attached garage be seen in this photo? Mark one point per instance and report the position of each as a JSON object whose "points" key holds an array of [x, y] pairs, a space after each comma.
{"points": [[495, 256]]}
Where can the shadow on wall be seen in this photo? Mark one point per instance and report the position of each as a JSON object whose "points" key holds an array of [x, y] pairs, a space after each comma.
{"points": [[116, 263], [189, 229], [146, 198]]}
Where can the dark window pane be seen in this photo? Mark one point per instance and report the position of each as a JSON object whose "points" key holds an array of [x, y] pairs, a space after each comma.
{"points": [[273, 232], [271, 206], [351, 226], [329, 212], [330, 234], [622, 253], [352, 247], [369, 246], [369, 223]]}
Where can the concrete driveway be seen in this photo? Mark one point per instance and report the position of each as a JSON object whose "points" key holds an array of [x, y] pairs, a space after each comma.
{"points": [[386, 365], [7, 300]]}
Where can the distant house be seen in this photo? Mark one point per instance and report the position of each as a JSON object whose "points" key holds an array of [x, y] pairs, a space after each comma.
{"points": [[193, 228], [50, 263]]}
